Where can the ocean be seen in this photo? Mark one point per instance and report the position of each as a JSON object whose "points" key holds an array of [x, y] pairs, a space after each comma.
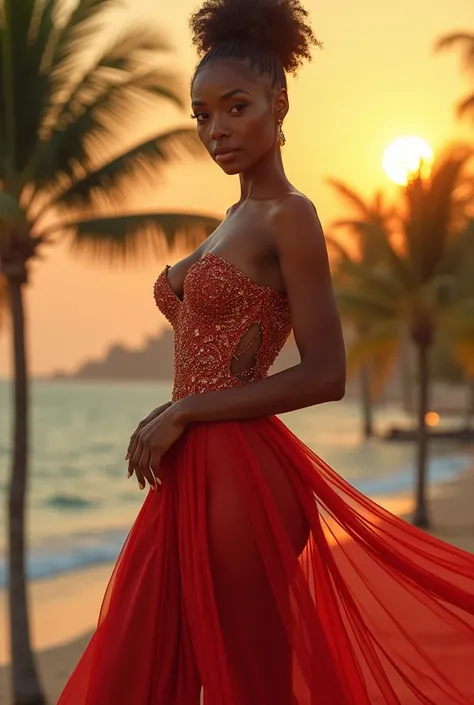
{"points": [[80, 502]]}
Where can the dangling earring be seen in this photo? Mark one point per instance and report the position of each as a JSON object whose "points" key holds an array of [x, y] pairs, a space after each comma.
{"points": [[281, 134]]}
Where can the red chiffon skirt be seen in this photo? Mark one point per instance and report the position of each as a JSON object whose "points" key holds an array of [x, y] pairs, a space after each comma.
{"points": [[259, 576]]}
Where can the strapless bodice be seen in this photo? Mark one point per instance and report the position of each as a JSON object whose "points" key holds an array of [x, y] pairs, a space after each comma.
{"points": [[220, 305]]}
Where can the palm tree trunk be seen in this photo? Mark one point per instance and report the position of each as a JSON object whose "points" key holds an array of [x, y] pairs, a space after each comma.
{"points": [[421, 516], [408, 387], [366, 399], [26, 687]]}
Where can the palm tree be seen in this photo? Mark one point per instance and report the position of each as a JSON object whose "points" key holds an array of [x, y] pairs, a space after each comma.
{"points": [[419, 289], [67, 106], [373, 214], [465, 41]]}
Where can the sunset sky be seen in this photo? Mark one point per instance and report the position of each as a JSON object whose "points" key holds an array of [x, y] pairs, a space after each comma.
{"points": [[377, 78]]}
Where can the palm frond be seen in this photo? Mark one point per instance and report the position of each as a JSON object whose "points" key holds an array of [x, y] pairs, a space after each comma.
{"points": [[430, 211], [337, 251], [101, 106], [379, 347], [371, 227], [352, 224], [361, 308], [11, 213], [137, 237], [466, 106], [43, 28], [114, 61], [350, 196], [458, 256], [371, 239], [378, 248], [144, 161], [376, 282], [76, 26], [19, 16], [30, 27], [120, 59], [440, 293], [463, 40]]}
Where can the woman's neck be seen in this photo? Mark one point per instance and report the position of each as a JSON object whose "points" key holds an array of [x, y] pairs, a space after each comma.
{"points": [[266, 179]]}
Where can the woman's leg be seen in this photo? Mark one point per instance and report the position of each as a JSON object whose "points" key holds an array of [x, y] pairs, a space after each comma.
{"points": [[142, 652], [258, 650]]}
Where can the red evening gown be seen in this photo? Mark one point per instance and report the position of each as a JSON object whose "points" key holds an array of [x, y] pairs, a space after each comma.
{"points": [[255, 572]]}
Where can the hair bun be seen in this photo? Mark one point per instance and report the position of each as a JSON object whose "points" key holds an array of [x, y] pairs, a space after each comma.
{"points": [[279, 26]]}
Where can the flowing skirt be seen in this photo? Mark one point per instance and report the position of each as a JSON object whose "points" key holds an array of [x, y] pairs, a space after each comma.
{"points": [[260, 576]]}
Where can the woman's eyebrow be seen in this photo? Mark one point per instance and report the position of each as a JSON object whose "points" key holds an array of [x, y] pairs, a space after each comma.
{"points": [[224, 96]]}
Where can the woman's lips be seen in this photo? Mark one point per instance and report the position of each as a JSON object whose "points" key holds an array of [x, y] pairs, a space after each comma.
{"points": [[224, 156]]}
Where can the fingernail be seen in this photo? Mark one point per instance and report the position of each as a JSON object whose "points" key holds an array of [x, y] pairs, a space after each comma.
{"points": [[142, 486], [127, 456], [129, 474]]}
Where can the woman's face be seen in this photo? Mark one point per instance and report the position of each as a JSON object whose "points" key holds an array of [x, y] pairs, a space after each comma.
{"points": [[237, 114]]}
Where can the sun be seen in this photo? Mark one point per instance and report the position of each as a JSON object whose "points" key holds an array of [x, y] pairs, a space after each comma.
{"points": [[405, 157]]}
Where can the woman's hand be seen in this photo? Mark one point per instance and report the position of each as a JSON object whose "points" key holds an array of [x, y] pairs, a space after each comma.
{"points": [[151, 442], [133, 438]]}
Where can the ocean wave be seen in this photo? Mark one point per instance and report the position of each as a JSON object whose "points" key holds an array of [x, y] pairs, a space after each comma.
{"points": [[64, 501], [82, 551], [442, 469]]}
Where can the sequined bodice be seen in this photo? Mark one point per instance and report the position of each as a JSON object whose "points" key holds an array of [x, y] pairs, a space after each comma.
{"points": [[220, 305]]}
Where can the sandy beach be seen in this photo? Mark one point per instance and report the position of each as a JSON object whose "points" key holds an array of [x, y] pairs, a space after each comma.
{"points": [[64, 609]]}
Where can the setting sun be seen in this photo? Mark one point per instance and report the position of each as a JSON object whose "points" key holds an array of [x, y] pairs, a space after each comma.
{"points": [[404, 157]]}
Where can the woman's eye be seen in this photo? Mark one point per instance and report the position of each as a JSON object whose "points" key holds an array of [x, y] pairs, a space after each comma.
{"points": [[237, 108], [200, 117]]}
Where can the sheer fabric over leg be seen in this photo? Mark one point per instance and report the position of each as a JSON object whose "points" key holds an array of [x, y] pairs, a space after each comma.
{"points": [[264, 572], [375, 612], [256, 644], [141, 651]]}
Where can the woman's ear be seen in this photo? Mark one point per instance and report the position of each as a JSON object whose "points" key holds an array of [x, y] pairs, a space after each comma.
{"points": [[282, 103]]}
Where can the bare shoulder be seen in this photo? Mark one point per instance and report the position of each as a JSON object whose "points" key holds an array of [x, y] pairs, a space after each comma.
{"points": [[296, 202], [297, 230]]}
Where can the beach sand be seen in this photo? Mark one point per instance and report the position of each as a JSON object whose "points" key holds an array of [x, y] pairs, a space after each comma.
{"points": [[64, 609]]}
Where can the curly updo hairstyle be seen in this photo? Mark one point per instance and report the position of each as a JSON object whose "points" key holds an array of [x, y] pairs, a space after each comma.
{"points": [[274, 36]]}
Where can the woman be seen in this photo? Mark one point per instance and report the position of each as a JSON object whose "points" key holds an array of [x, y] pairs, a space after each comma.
{"points": [[253, 571]]}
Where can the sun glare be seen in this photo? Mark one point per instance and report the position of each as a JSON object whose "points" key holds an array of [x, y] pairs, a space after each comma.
{"points": [[405, 157]]}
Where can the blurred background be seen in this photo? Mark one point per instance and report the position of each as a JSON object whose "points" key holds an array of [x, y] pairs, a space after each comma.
{"points": [[102, 183]]}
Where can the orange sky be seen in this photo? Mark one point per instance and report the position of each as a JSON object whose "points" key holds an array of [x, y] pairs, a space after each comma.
{"points": [[377, 78]]}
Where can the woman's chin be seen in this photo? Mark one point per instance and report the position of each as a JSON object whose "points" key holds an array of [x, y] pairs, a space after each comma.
{"points": [[231, 170]]}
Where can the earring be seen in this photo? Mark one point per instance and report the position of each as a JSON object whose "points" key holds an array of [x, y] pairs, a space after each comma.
{"points": [[281, 134]]}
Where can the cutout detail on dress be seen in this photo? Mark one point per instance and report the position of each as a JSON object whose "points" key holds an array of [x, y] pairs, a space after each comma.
{"points": [[244, 359]]}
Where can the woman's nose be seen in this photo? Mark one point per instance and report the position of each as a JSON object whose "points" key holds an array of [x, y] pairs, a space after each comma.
{"points": [[218, 130]]}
